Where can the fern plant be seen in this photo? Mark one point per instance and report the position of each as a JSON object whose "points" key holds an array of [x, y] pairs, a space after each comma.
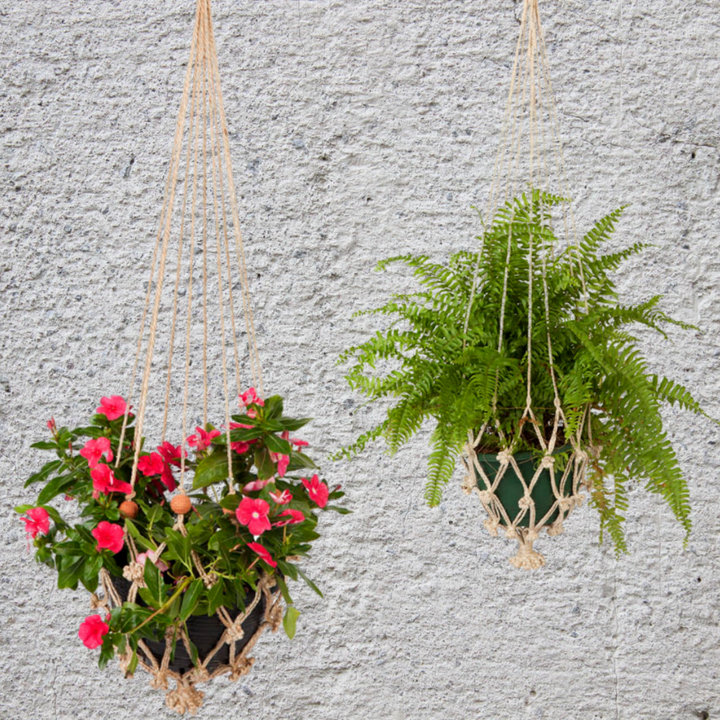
{"points": [[435, 369]]}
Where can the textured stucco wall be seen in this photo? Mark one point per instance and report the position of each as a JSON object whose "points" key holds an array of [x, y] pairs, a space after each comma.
{"points": [[359, 129]]}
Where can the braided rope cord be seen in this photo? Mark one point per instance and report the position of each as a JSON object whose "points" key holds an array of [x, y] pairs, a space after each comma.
{"points": [[530, 99], [200, 172]]}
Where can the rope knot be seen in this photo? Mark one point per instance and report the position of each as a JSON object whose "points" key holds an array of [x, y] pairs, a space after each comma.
{"points": [[504, 458], [526, 501], [185, 698], [566, 504], [468, 484], [96, 602], [210, 579], [547, 462], [135, 573], [581, 456], [491, 525], [485, 496], [234, 633], [241, 667], [159, 680], [511, 534], [556, 528]]}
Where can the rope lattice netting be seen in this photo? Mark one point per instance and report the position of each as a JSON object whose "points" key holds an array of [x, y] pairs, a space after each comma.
{"points": [[530, 154], [189, 325]]}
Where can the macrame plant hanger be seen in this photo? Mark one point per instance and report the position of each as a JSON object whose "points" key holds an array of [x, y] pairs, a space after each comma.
{"points": [[531, 149], [199, 235]]}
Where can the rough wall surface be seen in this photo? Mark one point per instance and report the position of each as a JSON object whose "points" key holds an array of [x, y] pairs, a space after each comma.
{"points": [[359, 129]]}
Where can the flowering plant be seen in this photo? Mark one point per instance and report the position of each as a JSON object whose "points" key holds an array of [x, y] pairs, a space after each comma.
{"points": [[247, 517]]}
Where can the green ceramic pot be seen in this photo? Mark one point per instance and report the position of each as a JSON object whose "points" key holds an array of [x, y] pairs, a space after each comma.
{"points": [[510, 490]]}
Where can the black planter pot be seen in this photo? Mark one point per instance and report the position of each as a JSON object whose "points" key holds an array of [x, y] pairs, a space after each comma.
{"points": [[204, 631]]}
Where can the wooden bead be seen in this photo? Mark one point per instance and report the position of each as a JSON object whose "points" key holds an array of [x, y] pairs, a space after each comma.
{"points": [[181, 504], [129, 509]]}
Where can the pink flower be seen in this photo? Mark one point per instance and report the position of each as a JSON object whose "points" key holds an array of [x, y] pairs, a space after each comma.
{"points": [[93, 451], [263, 553], [318, 491], [171, 453], [293, 441], [202, 439], [254, 514], [38, 521], [92, 630], [104, 481], [109, 536], [152, 464], [294, 517], [281, 498], [251, 413], [159, 564], [255, 485], [52, 427], [240, 447], [112, 407], [240, 426], [250, 397], [282, 462]]}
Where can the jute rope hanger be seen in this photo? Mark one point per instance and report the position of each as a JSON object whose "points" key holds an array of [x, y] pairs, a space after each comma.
{"points": [[530, 99], [201, 171]]}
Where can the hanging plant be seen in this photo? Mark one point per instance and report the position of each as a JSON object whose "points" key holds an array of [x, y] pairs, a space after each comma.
{"points": [[449, 366], [185, 599], [185, 585]]}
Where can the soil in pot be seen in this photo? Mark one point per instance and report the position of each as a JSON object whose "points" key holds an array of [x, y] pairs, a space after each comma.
{"points": [[204, 631], [510, 489]]}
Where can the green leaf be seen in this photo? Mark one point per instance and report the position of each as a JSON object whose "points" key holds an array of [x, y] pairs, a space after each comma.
{"points": [[299, 460], [44, 445], [290, 621], [215, 597], [69, 571], [292, 425], [338, 509], [211, 470], [155, 584], [46, 470], [191, 598], [54, 488], [283, 589], [309, 582], [273, 407], [263, 462], [277, 445]]}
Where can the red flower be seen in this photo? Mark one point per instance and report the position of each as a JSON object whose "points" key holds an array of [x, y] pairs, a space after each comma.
{"points": [[254, 514], [104, 481], [93, 451], [202, 439], [240, 447], [282, 462], [168, 479], [151, 464], [38, 521], [281, 498], [318, 491], [250, 397], [171, 453], [113, 407], [263, 553], [294, 517], [240, 426], [109, 536], [52, 427], [92, 630]]}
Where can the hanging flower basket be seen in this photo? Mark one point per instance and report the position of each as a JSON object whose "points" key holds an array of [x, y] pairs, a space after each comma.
{"points": [[188, 549], [185, 586]]}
